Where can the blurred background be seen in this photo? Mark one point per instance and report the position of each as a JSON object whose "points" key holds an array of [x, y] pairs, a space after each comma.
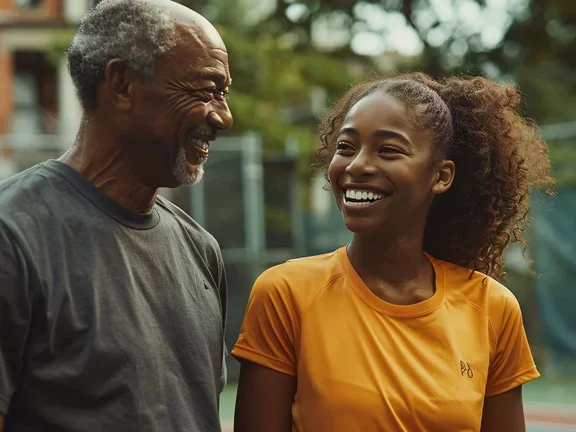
{"points": [[289, 60]]}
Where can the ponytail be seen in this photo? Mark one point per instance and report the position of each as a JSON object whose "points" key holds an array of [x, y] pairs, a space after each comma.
{"points": [[499, 155]]}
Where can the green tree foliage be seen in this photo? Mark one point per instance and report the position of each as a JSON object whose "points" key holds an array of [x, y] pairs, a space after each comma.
{"points": [[278, 65], [543, 62], [273, 84]]}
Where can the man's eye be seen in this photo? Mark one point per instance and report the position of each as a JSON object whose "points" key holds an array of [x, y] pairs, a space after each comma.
{"points": [[219, 94]]}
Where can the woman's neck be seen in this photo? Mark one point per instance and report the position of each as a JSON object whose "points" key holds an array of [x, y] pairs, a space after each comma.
{"points": [[396, 270]]}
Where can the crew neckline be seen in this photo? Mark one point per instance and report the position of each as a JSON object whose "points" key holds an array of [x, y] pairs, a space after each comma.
{"points": [[406, 311], [101, 200]]}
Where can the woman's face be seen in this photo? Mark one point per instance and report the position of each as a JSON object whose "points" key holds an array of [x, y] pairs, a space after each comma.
{"points": [[383, 174]]}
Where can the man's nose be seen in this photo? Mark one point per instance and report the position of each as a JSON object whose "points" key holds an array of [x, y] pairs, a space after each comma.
{"points": [[221, 118]]}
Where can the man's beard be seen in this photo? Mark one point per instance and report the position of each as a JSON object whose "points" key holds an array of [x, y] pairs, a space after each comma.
{"points": [[181, 173]]}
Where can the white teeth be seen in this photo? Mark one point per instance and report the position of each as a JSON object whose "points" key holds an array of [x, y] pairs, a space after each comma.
{"points": [[361, 197], [199, 143]]}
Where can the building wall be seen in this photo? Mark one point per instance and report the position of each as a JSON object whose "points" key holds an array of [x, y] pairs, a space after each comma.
{"points": [[6, 75], [46, 10], [32, 30], [53, 8], [6, 5], [74, 9]]}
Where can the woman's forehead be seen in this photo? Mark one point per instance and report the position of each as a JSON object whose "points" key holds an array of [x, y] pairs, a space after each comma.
{"points": [[378, 107]]}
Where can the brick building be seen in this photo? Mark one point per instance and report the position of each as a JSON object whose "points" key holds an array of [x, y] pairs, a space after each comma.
{"points": [[38, 107]]}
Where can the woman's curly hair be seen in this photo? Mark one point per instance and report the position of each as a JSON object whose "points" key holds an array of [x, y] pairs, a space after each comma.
{"points": [[499, 155]]}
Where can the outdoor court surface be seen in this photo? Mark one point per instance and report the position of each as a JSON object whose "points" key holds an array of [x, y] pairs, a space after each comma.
{"points": [[550, 418]]}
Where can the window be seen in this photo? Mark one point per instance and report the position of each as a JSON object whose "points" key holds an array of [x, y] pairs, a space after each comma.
{"points": [[35, 94], [27, 3]]}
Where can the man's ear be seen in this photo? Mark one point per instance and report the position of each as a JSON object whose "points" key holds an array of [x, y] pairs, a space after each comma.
{"points": [[119, 83], [444, 176]]}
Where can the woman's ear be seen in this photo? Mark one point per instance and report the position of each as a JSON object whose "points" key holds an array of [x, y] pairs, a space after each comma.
{"points": [[444, 176]]}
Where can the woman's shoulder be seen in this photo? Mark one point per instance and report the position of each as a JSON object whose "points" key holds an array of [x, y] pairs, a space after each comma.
{"points": [[480, 290], [300, 278], [315, 266]]}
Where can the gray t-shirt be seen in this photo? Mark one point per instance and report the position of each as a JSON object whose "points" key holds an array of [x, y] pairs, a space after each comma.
{"points": [[109, 320]]}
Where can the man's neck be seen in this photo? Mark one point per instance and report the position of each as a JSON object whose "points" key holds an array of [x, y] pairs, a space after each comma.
{"points": [[105, 164]]}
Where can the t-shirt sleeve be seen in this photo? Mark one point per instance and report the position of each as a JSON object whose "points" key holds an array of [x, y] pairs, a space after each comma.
{"points": [[267, 336], [15, 316], [512, 364]]}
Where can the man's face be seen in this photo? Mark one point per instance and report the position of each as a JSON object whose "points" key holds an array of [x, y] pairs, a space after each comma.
{"points": [[179, 113]]}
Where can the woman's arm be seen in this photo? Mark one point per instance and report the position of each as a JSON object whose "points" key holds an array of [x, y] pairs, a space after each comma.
{"points": [[264, 400], [504, 412]]}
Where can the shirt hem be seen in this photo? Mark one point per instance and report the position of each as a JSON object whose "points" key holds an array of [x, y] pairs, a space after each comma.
{"points": [[509, 384], [241, 353]]}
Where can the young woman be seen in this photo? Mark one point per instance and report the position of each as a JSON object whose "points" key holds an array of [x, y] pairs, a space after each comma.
{"points": [[406, 328]]}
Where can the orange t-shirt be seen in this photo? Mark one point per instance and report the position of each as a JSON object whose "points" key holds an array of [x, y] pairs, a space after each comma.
{"points": [[367, 365]]}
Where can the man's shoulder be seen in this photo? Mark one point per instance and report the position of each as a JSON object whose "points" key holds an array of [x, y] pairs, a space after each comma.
{"points": [[27, 179], [28, 191], [23, 206], [177, 213], [199, 234]]}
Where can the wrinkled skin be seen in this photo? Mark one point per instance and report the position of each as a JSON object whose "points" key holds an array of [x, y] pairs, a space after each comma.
{"points": [[151, 133], [185, 101]]}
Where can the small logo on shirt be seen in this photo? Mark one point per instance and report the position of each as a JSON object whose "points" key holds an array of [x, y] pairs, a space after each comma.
{"points": [[466, 369]]}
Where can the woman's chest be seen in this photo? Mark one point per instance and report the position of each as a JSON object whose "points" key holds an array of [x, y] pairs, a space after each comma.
{"points": [[380, 373]]}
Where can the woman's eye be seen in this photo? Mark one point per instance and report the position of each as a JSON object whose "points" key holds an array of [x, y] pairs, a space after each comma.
{"points": [[390, 149], [344, 146]]}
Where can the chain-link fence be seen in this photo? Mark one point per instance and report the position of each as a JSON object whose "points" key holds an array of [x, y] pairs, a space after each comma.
{"points": [[249, 200]]}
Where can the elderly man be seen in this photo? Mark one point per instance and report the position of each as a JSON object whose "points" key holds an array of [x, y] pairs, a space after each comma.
{"points": [[112, 299]]}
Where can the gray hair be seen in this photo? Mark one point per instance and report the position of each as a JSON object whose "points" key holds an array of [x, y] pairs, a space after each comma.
{"points": [[131, 30]]}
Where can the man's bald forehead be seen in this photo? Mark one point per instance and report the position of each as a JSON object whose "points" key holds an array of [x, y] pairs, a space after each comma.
{"points": [[188, 18]]}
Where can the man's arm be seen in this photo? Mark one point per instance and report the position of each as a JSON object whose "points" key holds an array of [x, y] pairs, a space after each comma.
{"points": [[264, 400], [15, 317], [504, 412]]}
